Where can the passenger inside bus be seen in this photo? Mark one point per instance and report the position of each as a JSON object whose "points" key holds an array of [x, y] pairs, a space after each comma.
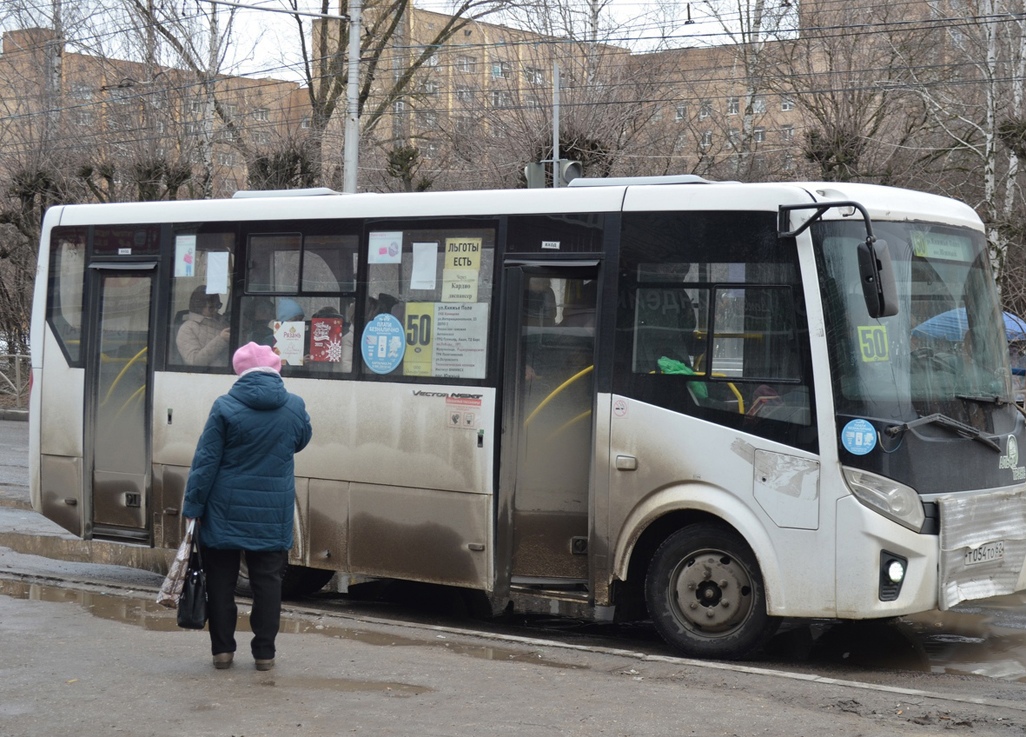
{"points": [[540, 307], [258, 316], [289, 310], [202, 340]]}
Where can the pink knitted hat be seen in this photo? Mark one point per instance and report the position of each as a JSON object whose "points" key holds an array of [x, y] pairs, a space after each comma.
{"points": [[256, 357]]}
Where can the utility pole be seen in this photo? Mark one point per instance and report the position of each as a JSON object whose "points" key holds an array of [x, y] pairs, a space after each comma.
{"points": [[555, 124], [351, 144]]}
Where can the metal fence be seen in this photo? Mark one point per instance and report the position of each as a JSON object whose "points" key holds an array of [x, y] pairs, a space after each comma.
{"points": [[15, 371]]}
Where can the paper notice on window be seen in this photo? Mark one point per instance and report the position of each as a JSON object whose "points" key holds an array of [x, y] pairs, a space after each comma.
{"points": [[425, 266], [217, 272], [386, 248], [185, 255], [326, 339], [460, 343], [290, 341], [459, 285], [462, 269]]}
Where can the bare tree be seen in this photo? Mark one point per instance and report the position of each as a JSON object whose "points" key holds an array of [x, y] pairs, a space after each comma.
{"points": [[979, 114]]}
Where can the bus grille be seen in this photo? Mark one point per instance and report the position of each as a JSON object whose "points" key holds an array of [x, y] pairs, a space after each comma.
{"points": [[983, 545]]}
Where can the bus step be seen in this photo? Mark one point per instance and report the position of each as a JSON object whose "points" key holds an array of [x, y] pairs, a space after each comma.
{"points": [[121, 535], [562, 589]]}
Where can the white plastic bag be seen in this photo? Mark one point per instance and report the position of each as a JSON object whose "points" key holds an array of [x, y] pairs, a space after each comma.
{"points": [[171, 589]]}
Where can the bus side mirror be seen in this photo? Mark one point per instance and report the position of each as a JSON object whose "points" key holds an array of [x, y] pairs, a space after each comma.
{"points": [[877, 275]]}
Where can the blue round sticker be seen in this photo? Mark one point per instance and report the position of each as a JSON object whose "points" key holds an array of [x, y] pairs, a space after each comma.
{"points": [[383, 344], [858, 437]]}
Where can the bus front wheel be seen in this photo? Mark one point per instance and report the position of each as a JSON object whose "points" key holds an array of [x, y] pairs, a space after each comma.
{"points": [[705, 594]]}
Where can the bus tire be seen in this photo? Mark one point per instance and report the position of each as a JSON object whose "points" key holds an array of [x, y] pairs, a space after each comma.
{"points": [[296, 582], [705, 594]]}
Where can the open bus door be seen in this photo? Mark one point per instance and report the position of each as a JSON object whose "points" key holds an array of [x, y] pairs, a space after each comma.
{"points": [[117, 447], [548, 441]]}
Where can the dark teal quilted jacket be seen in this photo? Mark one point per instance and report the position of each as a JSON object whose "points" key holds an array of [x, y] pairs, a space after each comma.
{"points": [[242, 483]]}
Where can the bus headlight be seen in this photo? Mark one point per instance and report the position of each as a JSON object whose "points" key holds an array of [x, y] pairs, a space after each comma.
{"points": [[886, 496]]}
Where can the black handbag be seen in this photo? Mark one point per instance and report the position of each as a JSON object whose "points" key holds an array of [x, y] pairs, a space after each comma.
{"points": [[192, 607]]}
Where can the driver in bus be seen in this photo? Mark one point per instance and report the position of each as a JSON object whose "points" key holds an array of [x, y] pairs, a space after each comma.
{"points": [[203, 337]]}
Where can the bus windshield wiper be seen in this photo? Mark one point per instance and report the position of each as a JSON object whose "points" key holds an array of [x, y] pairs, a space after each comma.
{"points": [[951, 423], [983, 399]]}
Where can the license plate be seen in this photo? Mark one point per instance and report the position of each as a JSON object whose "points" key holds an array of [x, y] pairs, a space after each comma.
{"points": [[985, 553]]}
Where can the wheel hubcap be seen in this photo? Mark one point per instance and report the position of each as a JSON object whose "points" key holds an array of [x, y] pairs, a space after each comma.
{"points": [[713, 592]]}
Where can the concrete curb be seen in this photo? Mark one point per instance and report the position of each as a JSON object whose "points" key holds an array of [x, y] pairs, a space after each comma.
{"points": [[18, 415], [27, 532]]}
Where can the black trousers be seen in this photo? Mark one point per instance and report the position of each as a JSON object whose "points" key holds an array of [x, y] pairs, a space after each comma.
{"points": [[265, 574]]}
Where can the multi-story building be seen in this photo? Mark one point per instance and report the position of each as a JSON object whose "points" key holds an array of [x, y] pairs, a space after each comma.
{"points": [[132, 130]]}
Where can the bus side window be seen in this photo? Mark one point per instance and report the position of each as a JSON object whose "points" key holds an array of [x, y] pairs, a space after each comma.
{"points": [[67, 274], [299, 297], [199, 316], [437, 285]]}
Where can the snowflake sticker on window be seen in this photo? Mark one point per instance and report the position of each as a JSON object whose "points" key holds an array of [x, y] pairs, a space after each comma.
{"points": [[326, 339]]}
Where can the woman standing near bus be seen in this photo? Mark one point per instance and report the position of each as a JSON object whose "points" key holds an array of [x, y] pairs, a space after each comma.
{"points": [[242, 490]]}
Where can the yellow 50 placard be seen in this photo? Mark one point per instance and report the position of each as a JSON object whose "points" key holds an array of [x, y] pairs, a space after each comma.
{"points": [[873, 343]]}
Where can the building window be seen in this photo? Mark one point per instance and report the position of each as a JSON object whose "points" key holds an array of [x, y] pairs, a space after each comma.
{"points": [[533, 103], [305, 122], [733, 106], [429, 88], [705, 111], [226, 158], [733, 135], [759, 104], [786, 104], [465, 95], [759, 135], [465, 64], [428, 118], [500, 99], [706, 140], [82, 92], [787, 133], [399, 107], [533, 75], [261, 113], [82, 116], [500, 70], [682, 113]]}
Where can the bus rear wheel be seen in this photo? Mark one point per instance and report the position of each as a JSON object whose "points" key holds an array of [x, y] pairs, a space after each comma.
{"points": [[705, 594], [297, 582]]}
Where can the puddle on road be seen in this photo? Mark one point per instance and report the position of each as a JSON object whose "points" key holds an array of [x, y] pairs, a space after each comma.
{"points": [[148, 614], [984, 641]]}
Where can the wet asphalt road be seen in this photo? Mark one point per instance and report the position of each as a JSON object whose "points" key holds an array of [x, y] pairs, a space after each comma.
{"points": [[964, 669]]}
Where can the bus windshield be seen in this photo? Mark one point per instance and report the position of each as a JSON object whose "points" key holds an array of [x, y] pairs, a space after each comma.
{"points": [[945, 352]]}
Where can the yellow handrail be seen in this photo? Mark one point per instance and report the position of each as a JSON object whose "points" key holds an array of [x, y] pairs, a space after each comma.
{"points": [[557, 390], [121, 374]]}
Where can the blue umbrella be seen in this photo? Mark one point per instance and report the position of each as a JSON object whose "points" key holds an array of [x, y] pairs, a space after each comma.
{"points": [[951, 325]]}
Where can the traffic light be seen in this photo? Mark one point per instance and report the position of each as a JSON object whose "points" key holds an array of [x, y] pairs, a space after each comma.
{"points": [[569, 170], [534, 173]]}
